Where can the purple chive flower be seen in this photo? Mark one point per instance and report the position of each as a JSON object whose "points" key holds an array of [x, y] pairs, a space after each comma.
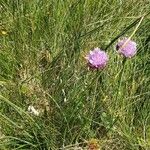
{"points": [[126, 47], [97, 59]]}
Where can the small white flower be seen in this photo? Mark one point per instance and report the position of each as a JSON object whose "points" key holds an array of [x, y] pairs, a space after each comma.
{"points": [[33, 111]]}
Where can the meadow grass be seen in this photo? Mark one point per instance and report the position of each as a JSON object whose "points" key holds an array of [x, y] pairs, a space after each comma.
{"points": [[43, 45]]}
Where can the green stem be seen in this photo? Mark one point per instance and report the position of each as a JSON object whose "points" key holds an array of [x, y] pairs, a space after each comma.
{"points": [[120, 80]]}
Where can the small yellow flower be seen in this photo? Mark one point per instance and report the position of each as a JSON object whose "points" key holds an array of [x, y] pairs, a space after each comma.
{"points": [[93, 144], [3, 32]]}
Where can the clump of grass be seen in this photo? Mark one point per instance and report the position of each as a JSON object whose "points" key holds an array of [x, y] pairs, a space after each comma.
{"points": [[41, 64]]}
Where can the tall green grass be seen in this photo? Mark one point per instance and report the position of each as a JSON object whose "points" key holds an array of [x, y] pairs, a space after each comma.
{"points": [[43, 44]]}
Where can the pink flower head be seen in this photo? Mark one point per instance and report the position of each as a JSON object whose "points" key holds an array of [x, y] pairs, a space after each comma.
{"points": [[97, 59], [126, 47]]}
